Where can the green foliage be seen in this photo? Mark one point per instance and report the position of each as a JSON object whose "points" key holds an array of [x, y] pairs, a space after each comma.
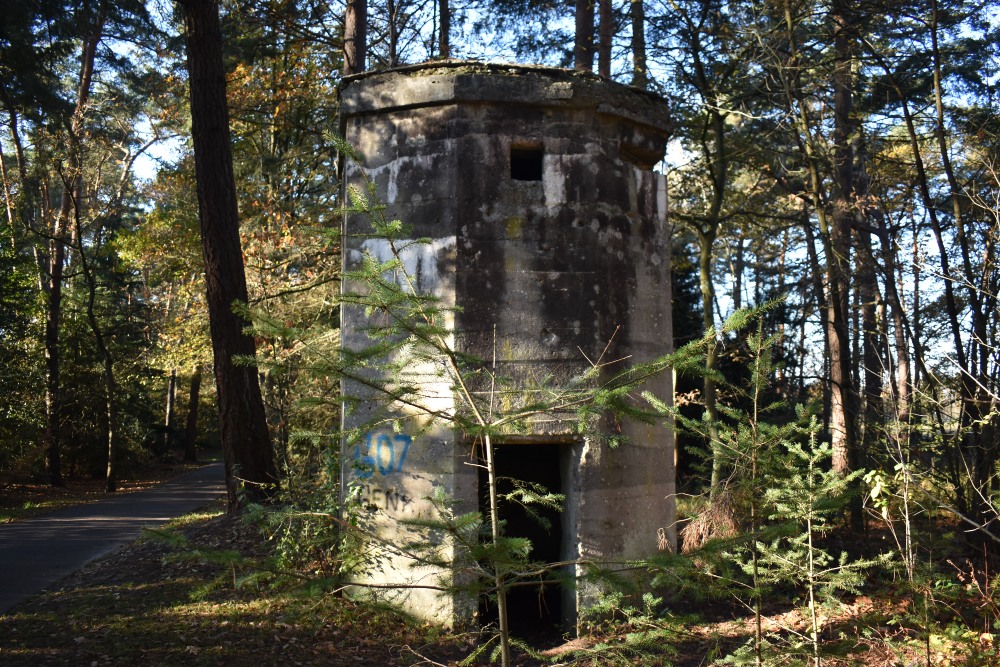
{"points": [[639, 632], [20, 367], [305, 534], [124, 321], [809, 495], [782, 499]]}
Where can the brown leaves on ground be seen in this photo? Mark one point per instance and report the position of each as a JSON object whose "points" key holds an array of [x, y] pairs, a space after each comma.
{"points": [[148, 603], [140, 605], [19, 500]]}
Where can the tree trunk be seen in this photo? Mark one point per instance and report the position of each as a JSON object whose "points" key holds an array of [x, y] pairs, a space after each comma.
{"points": [[53, 396], [780, 376], [191, 432], [640, 74], [100, 340], [872, 361], [874, 322], [8, 200], [838, 262], [355, 36], [168, 421], [903, 376], [57, 258], [110, 384], [605, 32], [444, 45], [583, 45], [250, 469], [707, 240], [393, 28]]}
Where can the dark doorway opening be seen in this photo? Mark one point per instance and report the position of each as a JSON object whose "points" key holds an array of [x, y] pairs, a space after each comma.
{"points": [[526, 163], [535, 606]]}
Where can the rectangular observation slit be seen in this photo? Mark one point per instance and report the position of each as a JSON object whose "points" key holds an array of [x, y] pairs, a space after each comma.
{"points": [[526, 162]]}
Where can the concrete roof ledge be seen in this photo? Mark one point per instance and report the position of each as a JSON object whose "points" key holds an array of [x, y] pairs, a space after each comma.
{"points": [[437, 83]]}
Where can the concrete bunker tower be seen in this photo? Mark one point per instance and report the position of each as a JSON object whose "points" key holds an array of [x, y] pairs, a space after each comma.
{"points": [[547, 233]]}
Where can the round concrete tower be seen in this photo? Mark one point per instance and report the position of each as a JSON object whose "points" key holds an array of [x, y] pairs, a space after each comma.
{"points": [[546, 227]]}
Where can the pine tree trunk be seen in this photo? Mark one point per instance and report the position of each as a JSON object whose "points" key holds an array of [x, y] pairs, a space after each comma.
{"points": [[250, 469], [53, 395], [838, 262], [393, 28], [355, 36], [57, 258], [706, 241], [444, 46], [191, 431], [168, 420], [605, 31], [844, 408], [717, 163], [583, 45], [872, 360], [640, 75]]}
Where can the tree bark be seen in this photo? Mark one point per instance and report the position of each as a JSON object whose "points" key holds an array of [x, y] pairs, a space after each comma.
{"points": [[168, 420], [875, 329], [706, 239], [640, 73], [250, 470], [355, 36], [107, 361], [838, 262], [583, 45], [8, 200], [444, 44], [605, 32], [191, 430], [872, 360], [57, 258], [392, 8]]}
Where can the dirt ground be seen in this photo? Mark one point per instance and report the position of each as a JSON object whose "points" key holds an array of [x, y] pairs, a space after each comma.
{"points": [[209, 595]]}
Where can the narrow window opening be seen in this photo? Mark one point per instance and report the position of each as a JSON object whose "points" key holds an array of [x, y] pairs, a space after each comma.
{"points": [[526, 163]]}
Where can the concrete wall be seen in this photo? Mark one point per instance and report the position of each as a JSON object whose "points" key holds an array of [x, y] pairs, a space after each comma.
{"points": [[546, 273]]}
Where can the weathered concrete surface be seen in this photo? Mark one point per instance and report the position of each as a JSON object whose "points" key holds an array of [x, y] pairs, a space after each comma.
{"points": [[548, 273]]}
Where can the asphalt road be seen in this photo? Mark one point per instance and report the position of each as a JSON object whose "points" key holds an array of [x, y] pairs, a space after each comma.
{"points": [[36, 553]]}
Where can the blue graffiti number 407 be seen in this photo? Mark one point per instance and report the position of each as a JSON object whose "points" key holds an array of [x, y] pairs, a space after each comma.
{"points": [[383, 454]]}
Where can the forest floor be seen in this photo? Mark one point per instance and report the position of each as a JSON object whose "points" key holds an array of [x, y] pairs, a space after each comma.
{"points": [[197, 599]]}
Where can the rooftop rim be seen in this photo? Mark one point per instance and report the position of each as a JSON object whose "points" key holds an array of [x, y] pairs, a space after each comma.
{"points": [[609, 89]]}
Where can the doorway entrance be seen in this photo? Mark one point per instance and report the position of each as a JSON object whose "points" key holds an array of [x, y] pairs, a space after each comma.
{"points": [[541, 603]]}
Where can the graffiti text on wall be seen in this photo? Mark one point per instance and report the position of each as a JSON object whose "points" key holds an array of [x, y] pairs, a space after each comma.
{"points": [[385, 499], [381, 454]]}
